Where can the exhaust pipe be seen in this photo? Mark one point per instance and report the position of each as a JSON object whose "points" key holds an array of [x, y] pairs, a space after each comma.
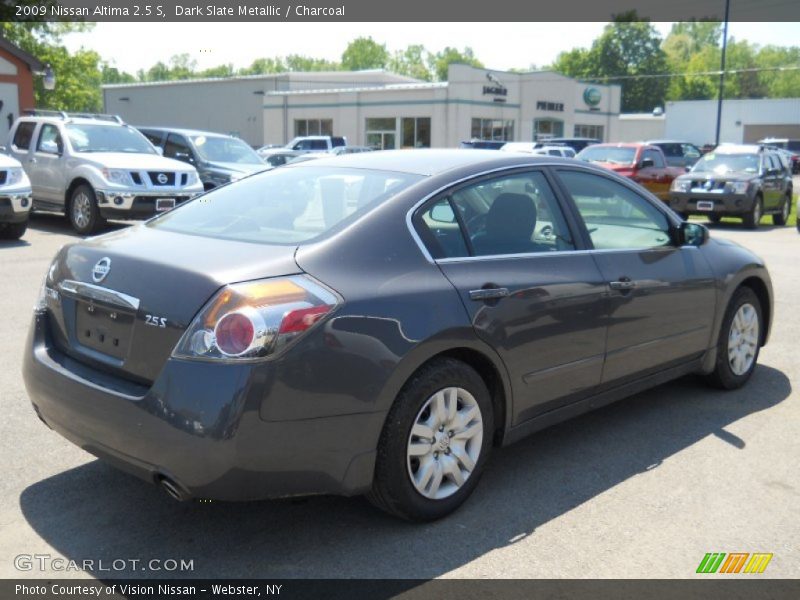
{"points": [[172, 489]]}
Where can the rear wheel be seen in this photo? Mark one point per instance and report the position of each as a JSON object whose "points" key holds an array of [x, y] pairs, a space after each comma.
{"points": [[714, 218], [83, 214], [786, 208], [435, 442], [753, 218], [739, 341], [13, 231]]}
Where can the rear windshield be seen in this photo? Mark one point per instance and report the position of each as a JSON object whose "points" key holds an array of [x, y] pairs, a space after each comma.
{"points": [[615, 155], [108, 138], [286, 205]]}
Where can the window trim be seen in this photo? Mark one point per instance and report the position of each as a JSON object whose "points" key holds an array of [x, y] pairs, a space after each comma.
{"points": [[36, 127], [420, 233], [37, 146]]}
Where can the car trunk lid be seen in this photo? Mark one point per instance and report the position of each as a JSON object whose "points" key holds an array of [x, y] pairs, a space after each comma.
{"points": [[124, 299]]}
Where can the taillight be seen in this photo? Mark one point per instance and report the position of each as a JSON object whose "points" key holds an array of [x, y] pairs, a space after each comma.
{"points": [[255, 319]]}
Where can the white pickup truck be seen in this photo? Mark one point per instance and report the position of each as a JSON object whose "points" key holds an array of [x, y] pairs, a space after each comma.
{"points": [[95, 167]]}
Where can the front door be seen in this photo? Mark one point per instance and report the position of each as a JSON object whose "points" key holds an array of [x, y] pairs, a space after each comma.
{"points": [[662, 296], [505, 244]]}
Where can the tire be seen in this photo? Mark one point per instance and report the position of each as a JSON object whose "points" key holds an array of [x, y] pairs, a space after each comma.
{"points": [[13, 231], [393, 489], [753, 218], [781, 218], [727, 374], [715, 218], [82, 212]]}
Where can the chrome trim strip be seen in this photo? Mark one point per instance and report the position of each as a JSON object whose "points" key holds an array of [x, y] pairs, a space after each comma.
{"points": [[99, 293], [458, 259]]}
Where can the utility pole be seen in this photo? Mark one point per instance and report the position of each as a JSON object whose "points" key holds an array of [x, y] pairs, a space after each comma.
{"points": [[722, 70]]}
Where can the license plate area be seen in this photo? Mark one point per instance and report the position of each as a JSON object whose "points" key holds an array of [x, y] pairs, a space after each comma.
{"points": [[705, 205], [163, 204], [105, 330]]}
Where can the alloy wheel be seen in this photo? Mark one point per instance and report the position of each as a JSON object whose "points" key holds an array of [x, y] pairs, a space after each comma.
{"points": [[743, 339], [81, 210], [445, 443]]}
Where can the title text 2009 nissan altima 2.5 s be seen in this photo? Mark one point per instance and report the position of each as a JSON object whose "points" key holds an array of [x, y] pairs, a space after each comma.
{"points": [[375, 323]]}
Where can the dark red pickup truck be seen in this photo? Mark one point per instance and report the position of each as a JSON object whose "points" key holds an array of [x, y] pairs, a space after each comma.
{"points": [[645, 164]]}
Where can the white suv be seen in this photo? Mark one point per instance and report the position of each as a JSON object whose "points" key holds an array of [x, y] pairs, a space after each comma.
{"points": [[95, 167], [15, 199]]}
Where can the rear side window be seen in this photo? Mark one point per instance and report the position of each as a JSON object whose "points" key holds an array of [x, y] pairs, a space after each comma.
{"points": [[289, 205], [155, 137], [338, 141], [177, 147], [23, 135], [658, 160], [615, 216], [690, 151], [513, 214]]}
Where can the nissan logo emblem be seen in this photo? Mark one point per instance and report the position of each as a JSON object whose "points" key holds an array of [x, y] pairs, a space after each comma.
{"points": [[162, 178], [101, 269]]}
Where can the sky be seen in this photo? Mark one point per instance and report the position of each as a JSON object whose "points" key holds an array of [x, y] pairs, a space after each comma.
{"points": [[133, 46]]}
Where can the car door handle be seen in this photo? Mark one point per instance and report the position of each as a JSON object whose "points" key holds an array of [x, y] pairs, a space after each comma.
{"points": [[622, 284], [493, 293]]}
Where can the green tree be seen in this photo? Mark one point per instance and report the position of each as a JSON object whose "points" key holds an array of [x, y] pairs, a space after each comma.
{"points": [[264, 66], [413, 62], [78, 75], [780, 83], [364, 53], [111, 74], [296, 62], [628, 52], [439, 62], [218, 71]]}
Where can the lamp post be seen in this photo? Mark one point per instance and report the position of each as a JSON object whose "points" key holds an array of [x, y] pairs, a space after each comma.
{"points": [[722, 71], [49, 79]]}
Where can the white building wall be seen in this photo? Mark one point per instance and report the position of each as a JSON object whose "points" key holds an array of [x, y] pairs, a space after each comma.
{"points": [[695, 120]]}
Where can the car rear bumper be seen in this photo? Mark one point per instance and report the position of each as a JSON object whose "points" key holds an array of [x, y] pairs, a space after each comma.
{"points": [[722, 203], [199, 425], [15, 208]]}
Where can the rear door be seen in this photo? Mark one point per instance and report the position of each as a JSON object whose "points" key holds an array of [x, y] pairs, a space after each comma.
{"points": [[661, 296], [21, 144], [506, 245], [47, 164]]}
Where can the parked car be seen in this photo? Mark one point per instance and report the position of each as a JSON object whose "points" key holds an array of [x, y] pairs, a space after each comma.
{"points": [[789, 145], [309, 143], [737, 180], [534, 148], [219, 159], [644, 164], [483, 144], [15, 199], [278, 159], [677, 153], [576, 143], [96, 167], [375, 323]]}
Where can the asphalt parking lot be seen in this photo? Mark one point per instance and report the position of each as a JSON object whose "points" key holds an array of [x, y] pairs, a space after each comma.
{"points": [[643, 488]]}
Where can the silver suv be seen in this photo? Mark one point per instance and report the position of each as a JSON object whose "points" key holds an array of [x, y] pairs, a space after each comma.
{"points": [[95, 167]]}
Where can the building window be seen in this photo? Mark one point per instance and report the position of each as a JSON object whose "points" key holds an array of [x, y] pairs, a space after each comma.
{"points": [[416, 132], [381, 133], [547, 128], [493, 129], [303, 127], [589, 131]]}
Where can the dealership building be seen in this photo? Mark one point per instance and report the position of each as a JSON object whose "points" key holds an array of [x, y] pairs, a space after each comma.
{"points": [[378, 108]]}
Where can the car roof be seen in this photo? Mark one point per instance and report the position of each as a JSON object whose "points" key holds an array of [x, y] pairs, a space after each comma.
{"points": [[738, 149], [620, 145], [70, 120], [655, 142], [184, 131], [429, 161]]}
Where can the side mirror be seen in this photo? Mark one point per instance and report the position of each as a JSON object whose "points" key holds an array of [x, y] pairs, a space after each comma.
{"points": [[692, 234], [50, 147], [442, 213], [646, 162], [688, 168], [159, 150]]}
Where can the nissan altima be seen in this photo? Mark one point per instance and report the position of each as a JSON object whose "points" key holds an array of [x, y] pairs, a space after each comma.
{"points": [[376, 323]]}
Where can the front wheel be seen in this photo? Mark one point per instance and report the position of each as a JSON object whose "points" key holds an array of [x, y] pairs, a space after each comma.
{"points": [[84, 216], [786, 208], [434, 443], [714, 218], [739, 341], [13, 231], [753, 218]]}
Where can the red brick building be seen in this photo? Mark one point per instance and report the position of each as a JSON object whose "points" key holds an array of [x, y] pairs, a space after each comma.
{"points": [[17, 69]]}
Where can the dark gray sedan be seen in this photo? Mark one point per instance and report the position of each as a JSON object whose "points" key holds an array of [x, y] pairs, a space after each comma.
{"points": [[376, 323]]}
